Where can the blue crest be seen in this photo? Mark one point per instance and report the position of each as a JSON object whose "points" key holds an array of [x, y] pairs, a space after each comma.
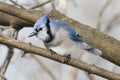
{"points": [[42, 20]]}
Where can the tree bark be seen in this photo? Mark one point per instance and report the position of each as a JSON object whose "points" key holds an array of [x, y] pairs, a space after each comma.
{"points": [[29, 48]]}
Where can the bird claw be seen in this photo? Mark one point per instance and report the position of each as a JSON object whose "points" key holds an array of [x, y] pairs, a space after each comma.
{"points": [[23, 55], [52, 52], [68, 57]]}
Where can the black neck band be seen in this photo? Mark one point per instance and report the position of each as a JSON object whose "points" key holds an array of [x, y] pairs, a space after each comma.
{"points": [[49, 31]]}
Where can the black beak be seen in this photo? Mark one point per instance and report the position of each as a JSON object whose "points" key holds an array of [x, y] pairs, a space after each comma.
{"points": [[33, 34]]}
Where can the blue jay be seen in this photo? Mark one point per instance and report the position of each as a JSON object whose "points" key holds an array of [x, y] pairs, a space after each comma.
{"points": [[60, 37]]}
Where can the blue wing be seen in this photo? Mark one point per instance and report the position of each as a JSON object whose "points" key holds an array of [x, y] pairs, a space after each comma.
{"points": [[73, 34]]}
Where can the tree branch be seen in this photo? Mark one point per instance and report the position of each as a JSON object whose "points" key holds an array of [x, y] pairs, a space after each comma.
{"points": [[17, 4], [101, 14], [39, 5], [7, 61], [18, 22], [17, 12], [108, 45], [15, 22], [53, 5], [2, 77], [73, 62]]}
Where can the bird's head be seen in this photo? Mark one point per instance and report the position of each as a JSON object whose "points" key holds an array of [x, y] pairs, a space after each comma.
{"points": [[42, 29]]}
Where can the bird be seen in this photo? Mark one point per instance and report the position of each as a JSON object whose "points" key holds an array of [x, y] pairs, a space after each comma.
{"points": [[60, 37]]}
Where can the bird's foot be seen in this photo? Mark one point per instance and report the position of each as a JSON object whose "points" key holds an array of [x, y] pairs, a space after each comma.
{"points": [[23, 55], [67, 59], [25, 52], [52, 52]]}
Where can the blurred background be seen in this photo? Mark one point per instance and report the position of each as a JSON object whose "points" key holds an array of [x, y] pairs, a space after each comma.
{"points": [[100, 14]]}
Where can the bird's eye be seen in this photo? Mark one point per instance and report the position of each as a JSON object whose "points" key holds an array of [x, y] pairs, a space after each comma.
{"points": [[40, 29]]}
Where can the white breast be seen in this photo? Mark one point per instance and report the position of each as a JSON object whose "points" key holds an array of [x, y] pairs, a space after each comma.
{"points": [[63, 45], [67, 48]]}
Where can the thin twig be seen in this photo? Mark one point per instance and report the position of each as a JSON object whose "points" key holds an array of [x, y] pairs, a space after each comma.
{"points": [[101, 13], [74, 3], [53, 5], [17, 4], [3, 28], [2, 77], [91, 76], [112, 21], [39, 5], [7, 60], [15, 35], [44, 67], [4, 67]]}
